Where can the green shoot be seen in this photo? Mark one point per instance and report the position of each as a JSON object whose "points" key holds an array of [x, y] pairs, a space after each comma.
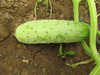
{"points": [[51, 9], [98, 33], [46, 7], [40, 1], [36, 6], [0, 20], [76, 5], [67, 53], [70, 53], [24, 45], [60, 52]]}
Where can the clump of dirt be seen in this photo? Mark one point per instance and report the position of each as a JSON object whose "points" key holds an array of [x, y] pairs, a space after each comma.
{"points": [[4, 33]]}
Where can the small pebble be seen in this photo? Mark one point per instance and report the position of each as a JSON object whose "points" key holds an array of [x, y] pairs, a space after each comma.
{"points": [[25, 61]]}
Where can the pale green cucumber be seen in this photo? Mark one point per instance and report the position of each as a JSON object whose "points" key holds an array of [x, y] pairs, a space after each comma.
{"points": [[52, 31]]}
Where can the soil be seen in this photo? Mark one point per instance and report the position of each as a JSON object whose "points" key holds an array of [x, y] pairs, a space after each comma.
{"points": [[40, 59]]}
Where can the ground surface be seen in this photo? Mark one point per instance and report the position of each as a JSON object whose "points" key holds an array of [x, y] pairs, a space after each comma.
{"points": [[39, 59]]}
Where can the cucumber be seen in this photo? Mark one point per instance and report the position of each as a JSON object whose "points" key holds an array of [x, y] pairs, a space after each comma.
{"points": [[52, 31]]}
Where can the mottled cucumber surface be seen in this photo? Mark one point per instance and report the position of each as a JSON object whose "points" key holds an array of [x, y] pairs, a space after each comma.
{"points": [[52, 31]]}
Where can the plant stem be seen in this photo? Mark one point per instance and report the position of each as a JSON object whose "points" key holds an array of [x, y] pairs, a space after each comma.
{"points": [[86, 48], [47, 7], [76, 5], [76, 18], [82, 62], [51, 9], [93, 30], [60, 51], [96, 70], [98, 33]]}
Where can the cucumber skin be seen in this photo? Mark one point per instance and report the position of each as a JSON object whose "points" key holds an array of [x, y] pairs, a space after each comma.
{"points": [[52, 31]]}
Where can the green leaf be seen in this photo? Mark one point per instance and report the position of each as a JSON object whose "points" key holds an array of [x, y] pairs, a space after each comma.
{"points": [[70, 53], [0, 19], [39, 0]]}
